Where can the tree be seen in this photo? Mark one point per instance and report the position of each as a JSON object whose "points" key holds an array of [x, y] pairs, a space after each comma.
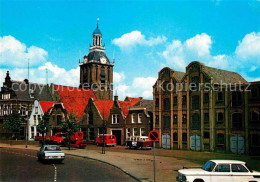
{"points": [[70, 126], [44, 125], [13, 123]]}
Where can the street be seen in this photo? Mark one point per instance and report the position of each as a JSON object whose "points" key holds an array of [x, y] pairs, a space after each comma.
{"points": [[22, 165]]}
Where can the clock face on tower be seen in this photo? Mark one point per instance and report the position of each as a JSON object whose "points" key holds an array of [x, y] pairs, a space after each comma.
{"points": [[103, 60]]}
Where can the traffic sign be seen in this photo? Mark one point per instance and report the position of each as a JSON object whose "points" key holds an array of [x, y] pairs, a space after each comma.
{"points": [[154, 135]]}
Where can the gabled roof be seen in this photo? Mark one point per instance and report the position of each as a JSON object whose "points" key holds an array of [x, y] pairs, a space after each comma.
{"points": [[126, 104], [104, 107], [219, 75], [46, 105], [144, 103], [74, 99], [133, 100], [36, 91]]}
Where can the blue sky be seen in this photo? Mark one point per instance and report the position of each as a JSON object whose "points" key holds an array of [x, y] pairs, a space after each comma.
{"points": [[145, 36]]}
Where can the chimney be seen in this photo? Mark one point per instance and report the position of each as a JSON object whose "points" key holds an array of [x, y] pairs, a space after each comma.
{"points": [[115, 98]]}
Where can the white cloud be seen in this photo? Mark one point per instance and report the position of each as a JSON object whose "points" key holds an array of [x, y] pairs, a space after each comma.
{"points": [[56, 75], [118, 77], [15, 53], [144, 85], [219, 61], [129, 40], [200, 44], [253, 68], [249, 47]]}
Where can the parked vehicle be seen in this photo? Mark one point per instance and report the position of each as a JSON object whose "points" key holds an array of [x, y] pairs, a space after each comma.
{"points": [[219, 170], [57, 138], [50, 152], [139, 142], [110, 140], [77, 140], [60, 139]]}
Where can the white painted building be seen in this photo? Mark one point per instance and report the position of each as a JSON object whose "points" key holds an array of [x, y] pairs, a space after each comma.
{"points": [[38, 110]]}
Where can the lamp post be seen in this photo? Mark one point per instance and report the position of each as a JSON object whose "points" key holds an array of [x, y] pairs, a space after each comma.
{"points": [[103, 129]]}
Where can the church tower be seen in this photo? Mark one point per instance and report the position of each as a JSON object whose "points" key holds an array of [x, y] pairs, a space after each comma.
{"points": [[96, 70]]}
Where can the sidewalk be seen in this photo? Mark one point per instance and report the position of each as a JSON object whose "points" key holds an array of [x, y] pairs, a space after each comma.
{"points": [[138, 165]]}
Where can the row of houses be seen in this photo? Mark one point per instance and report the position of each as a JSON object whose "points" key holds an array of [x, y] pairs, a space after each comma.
{"points": [[207, 109], [131, 117]]}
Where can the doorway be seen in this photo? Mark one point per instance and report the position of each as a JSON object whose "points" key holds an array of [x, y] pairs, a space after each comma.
{"points": [[118, 134]]}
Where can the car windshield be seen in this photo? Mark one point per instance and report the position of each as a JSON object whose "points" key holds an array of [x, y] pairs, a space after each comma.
{"points": [[209, 166], [52, 148]]}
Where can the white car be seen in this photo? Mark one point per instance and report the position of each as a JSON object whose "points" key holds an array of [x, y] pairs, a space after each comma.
{"points": [[50, 152], [219, 170]]}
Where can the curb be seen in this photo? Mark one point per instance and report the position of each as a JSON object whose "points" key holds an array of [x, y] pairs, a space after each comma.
{"points": [[86, 157]]}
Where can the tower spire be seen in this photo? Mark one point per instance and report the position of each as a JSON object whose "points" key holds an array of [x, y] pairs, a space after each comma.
{"points": [[97, 22]]}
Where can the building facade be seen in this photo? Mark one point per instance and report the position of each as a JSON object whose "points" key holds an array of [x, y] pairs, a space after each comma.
{"points": [[206, 109], [96, 70], [20, 96]]}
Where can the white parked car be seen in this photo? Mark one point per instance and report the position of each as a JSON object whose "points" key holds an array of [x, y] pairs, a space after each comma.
{"points": [[50, 152], [219, 170]]}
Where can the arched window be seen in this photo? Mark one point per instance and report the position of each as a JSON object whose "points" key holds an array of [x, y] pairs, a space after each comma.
{"points": [[102, 75], [166, 104], [237, 121]]}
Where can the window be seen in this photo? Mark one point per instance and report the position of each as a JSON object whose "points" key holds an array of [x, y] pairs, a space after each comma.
{"points": [[90, 117], [175, 118], [102, 76], [206, 118], [34, 119], [142, 131], [166, 120], [23, 110], [36, 110], [32, 132], [59, 118], [236, 99], [139, 117], [184, 137], [220, 96], [5, 96], [157, 102], [128, 132], [206, 98], [222, 168], [220, 117], [255, 140], [184, 100], [166, 104], [134, 131], [206, 134], [1, 110], [175, 136], [175, 100], [133, 118], [195, 121], [115, 118], [184, 118], [166, 87], [237, 121], [238, 168], [254, 116], [220, 139], [39, 118], [157, 119], [254, 92], [195, 102], [195, 83]]}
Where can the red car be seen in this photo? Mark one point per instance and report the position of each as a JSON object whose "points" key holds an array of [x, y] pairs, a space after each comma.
{"points": [[110, 140]]}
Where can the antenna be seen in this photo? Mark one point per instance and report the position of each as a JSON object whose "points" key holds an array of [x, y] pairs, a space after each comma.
{"points": [[114, 56], [46, 71], [28, 69]]}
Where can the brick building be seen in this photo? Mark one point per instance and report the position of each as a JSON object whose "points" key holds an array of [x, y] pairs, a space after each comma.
{"points": [[206, 109], [20, 96]]}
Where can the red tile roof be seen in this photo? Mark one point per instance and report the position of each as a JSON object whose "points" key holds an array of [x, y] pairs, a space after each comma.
{"points": [[134, 100], [125, 105], [46, 105], [104, 107], [74, 99]]}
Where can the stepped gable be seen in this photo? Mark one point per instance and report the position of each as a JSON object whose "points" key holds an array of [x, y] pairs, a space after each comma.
{"points": [[74, 99]]}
